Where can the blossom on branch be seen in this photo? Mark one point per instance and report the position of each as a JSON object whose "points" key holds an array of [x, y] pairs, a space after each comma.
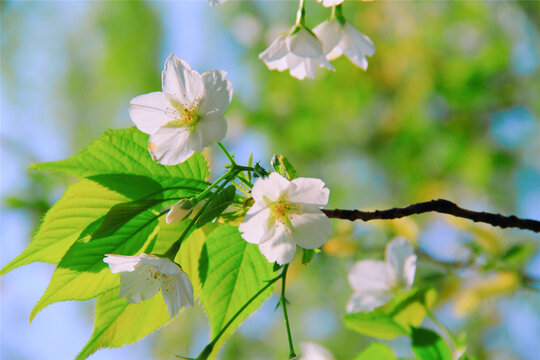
{"points": [[186, 116], [330, 3], [343, 38], [299, 50], [285, 214], [143, 275], [375, 282]]}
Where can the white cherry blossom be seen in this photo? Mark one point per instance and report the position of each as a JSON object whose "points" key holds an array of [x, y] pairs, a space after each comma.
{"points": [[375, 282], [286, 214], [313, 351], [299, 50], [186, 116], [330, 3], [338, 39], [143, 275]]}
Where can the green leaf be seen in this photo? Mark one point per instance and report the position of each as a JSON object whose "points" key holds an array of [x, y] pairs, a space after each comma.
{"points": [[378, 351], [283, 167], [83, 203], [428, 345], [236, 271], [219, 204], [124, 151], [407, 309], [307, 255], [118, 322], [82, 274]]}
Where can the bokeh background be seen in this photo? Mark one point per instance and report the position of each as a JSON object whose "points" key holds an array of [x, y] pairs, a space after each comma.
{"points": [[449, 107]]}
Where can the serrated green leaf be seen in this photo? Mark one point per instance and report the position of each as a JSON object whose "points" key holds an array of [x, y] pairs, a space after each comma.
{"points": [[407, 309], [428, 345], [83, 203], [219, 204], [378, 351], [82, 274], [236, 271], [118, 322], [124, 151]]}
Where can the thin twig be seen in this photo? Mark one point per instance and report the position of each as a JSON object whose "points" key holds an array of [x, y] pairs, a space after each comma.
{"points": [[441, 206]]}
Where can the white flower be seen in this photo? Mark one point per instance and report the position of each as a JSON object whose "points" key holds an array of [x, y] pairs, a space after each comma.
{"points": [[142, 276], [216, 2], [186, 116], [299, 50], [330, 3], [313, 351], [375, 282], [338, 39], [285, 214]]}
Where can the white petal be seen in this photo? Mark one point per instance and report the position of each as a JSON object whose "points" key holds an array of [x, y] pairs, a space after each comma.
{"points": [[297, 67], [177, 292], [255, 224], [171, 145], [151, 111], [217, 92], [140, 284], [396, 254], [278, 65], [309, 191], [209, 129], [178, 212], [367, 301], [330, 34], [313, 351], [357, 46], [311, 230], [409, 269], [330, 3], [276, 51], [181, 83], [163, 265], [371, 275], [120, 263], [280, 248], [271, 188], [304, 44]]}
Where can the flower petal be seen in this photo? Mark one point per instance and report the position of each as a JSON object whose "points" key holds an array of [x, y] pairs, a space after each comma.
{"points": [[371, 275], [409, 269], [121, 263], [171, 145], [304, 44], [140, 284], [181, 83], [367, 301], [151, 111], [163, 265], [357, 46], [217, 92], [308, 191], [177, 292], [397, 253], [255, 225], [211, 128], [313, 351], [271, 188], [276, 51], [280, 248], [311, 230], [330, 34]]}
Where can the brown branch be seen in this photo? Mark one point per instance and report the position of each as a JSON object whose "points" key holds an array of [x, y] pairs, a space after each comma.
{"points": [[441, 206]]}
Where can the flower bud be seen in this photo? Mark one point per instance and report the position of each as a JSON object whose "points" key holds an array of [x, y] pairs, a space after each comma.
{"points": [[180, 211]]}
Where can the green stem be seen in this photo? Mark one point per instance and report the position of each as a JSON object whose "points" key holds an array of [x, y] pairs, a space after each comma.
{"points": [[215, 183], [229, 156], [337, 12], [283, 302], [208, 349], [301, 15], [171, 252], [448, 333]]}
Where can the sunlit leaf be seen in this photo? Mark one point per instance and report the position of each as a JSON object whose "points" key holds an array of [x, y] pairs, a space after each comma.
{"points": [[378, 351], [428, 345]]}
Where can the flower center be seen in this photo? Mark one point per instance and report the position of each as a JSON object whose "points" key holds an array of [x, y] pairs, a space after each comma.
{"points": [[187, 117], [282, 210]]}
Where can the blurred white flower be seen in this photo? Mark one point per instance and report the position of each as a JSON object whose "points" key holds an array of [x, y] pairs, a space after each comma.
{"points": [[299, 50], [330, 3], [186, 116], [142, 276], [285, 214], [313, 351], [375, 282], [338, 39], [216, 2]]}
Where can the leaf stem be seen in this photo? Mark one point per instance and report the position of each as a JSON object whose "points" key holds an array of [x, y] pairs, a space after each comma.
{"points": [[301, 15], [283, 302], [227, 154]]}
